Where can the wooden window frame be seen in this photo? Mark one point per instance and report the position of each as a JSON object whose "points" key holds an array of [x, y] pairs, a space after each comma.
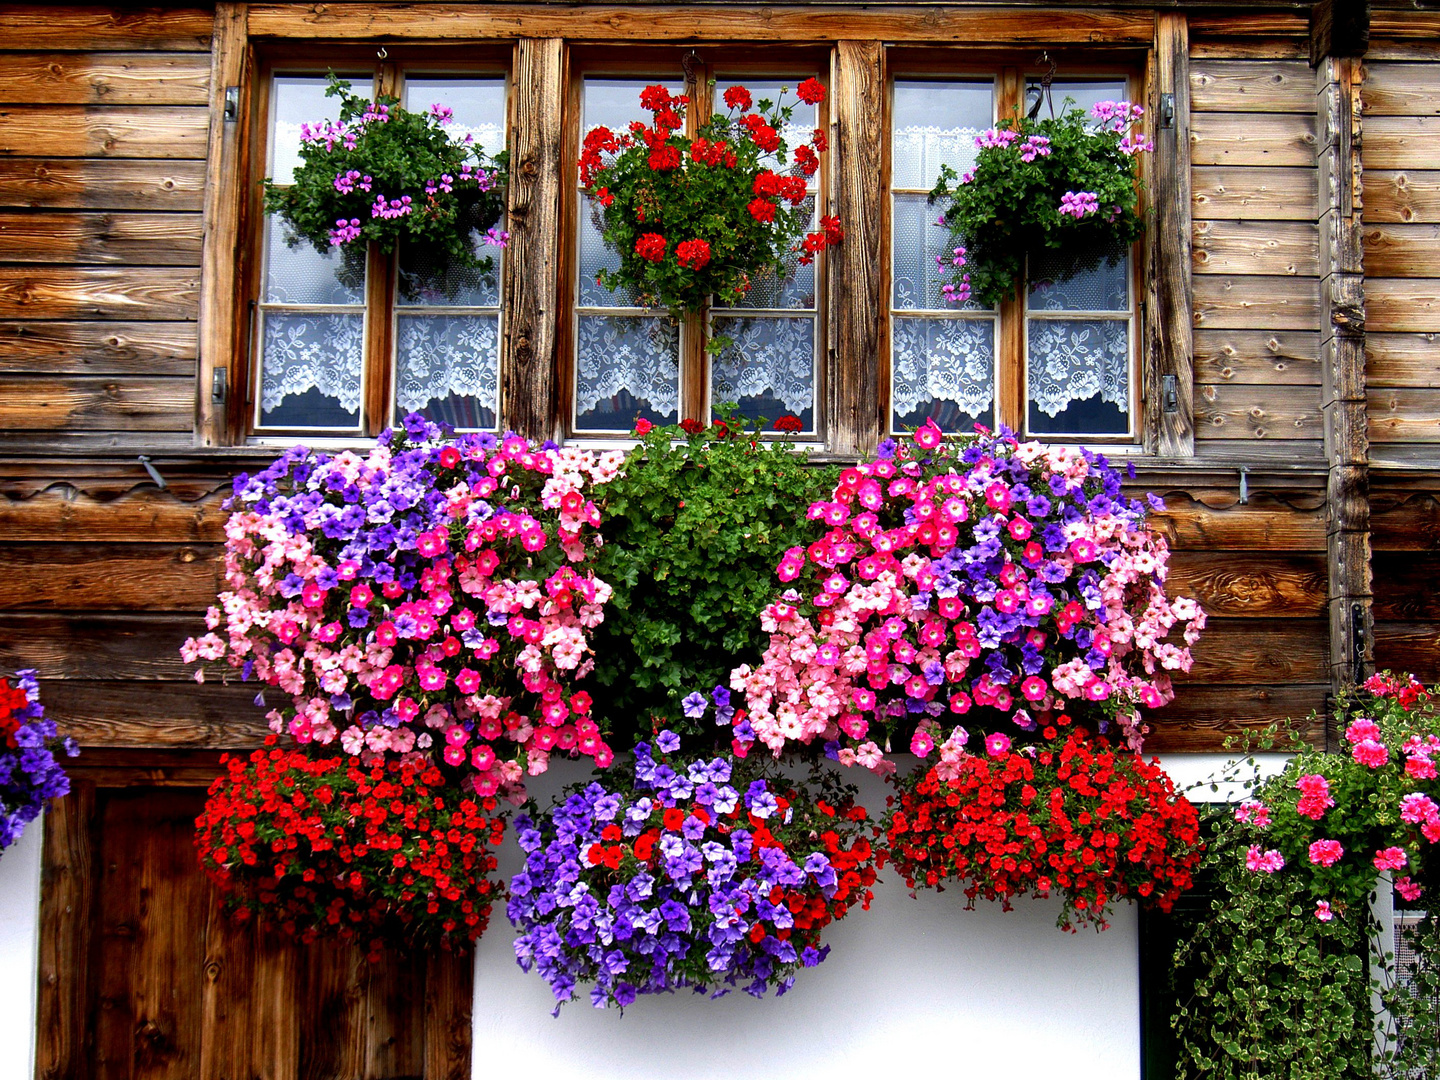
{"points": [[381, 303], [705, 62]]}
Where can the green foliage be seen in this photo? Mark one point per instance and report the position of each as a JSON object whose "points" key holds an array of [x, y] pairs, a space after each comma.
{"points": [[1010, 206], [693, 530], [1413, 1001], [379, 150]]}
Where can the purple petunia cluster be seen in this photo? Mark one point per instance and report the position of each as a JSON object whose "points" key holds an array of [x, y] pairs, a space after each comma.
{"points": [[29, 773]]}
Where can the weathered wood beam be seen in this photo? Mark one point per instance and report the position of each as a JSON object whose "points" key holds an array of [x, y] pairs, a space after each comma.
{"points": [[64, 1037], [1339, 28]]}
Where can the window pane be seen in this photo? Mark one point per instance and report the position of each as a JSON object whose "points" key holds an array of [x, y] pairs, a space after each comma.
{"points": [[945, 369], [477, 105], [1082, 92], [917, 243], [311, 369], [626, 366], [594, 257], [1095, 280], [613, 103], [431, 279], [295, 273], [447, 367], [297, 100], [1078, 377], [768, 369], [936, 123]]}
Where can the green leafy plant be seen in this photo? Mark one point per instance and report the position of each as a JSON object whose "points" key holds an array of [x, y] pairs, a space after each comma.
{"points": [[385, 175], [694, 527], [1066, 183]]}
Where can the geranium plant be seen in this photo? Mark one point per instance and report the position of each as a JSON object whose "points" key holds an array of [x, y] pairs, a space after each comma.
{"points": [[1073, 816], [385, 175], [702, 217], [325, 846], [30, 773], [431, 597], [1069, 183], [960, 574], [710, 874]]}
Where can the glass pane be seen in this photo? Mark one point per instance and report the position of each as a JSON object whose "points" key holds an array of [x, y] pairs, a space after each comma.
{"points": [[626, 366], [936, 124], [945, 369], [477, 105], [295, 273], [310, 369], [595, 256], [448, 367], [1094, 280], [297, 100], [1078, 377], [613, 103], [918, 242], [432, 279], [1082, 92], [795, 291], [768, 370], [803, 117]]}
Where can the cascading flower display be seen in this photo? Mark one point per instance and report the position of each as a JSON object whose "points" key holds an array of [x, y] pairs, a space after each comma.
{"points": [[326, 846], [1072, 816], [1014, 579], [696, 218], [30, 774], [708, 874], [432, 597], [1069, 183]]}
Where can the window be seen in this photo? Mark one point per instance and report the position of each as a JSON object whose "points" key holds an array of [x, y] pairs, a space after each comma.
{"points": [[1058, 360], [346, 341], [633, 362]]}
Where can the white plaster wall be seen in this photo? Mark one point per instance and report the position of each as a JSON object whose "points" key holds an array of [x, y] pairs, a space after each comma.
{"points": [[922, 986], [19, 951], [1210, 778]]}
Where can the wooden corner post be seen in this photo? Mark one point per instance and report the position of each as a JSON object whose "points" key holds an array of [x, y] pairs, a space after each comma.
{"points": [[1169, 327]]}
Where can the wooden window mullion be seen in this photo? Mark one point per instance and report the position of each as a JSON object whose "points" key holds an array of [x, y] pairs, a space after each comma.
{"points": [[379, 304], [1010, 359], [695, 326]]}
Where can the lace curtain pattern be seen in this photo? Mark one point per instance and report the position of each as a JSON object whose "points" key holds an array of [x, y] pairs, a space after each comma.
{"points": [[634, 353], [774, 355], [441, 355], [311, 351], [919, 151], [1072, 360], [943, 360]]}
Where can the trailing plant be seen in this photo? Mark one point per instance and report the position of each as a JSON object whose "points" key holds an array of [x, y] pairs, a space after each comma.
{"points": [[1280, 980], [385, 175], [709, 216], [325, 846], [30, 773], [1068, 183], [1072, 816], [693, 525]]}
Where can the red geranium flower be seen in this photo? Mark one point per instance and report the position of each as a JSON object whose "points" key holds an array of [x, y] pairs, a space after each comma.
{"points": [[664, 158], [819, 141], [654, 98], [691, 427], [789, 424], [651, 246], [811, 92], [692, 254], [642, 426], [762, 210], [807, 159], [737, 97]]}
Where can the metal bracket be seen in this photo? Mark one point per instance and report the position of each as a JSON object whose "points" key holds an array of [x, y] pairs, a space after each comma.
{"points": [[232, 104], [1169, 393], [218, 386], [1357, 642], [1167, 110], [144, 459]]}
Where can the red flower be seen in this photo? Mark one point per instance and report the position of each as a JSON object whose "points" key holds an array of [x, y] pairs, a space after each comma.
{"points": [[833, 232], [664, 158], [811, 92], [766, 183], [737, 97], [819, 141], [691, 427], [603, 197], [651, 246], [655, 98], [765, 137], [807, 159], [762, 210], [790, 424], [642, 426], [449, 457], [692, 254]]}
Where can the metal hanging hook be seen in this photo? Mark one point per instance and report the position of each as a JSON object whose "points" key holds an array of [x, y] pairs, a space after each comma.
{"points": [[383, 53], [1045, 81], [690, 64]]}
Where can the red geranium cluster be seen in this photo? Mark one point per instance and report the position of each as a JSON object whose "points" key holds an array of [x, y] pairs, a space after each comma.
{"points": [[328, 847], [708, 216], [1073, 816]]}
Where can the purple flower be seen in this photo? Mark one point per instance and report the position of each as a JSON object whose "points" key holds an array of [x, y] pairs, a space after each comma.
{"points": [[694, 706]]}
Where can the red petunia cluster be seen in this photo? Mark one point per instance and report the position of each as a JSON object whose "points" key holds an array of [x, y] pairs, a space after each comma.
{"points": [[1073, 816], [13, 701], [328, 847]]}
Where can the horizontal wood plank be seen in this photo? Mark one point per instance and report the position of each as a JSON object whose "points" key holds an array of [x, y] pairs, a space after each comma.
{"points": [[1260, 139], [1402, 359], [98, 348], [48, 26], [1224, 302], [1263, 86], [151, 714], [60, 78], [1258, 357], [157, 292], [1403, 196], [98, 403], [1248, 411], [48, 444], [1404, 521], [1401, 251], [1404, 584], [1240, 584], [123, 647], [1240, 49], [1247, 652], [1400, 142], [1412, 647], [1404, 415], [91, 239], [1256, 247], [1406, 305], [1203, 717], [61, 512], [102, 185], [163, 132], [1265, 523], [1249, 26], [1229, 193], [108, 577], [1400, 90]]}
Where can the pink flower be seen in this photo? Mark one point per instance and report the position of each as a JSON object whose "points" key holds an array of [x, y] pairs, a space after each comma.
{"points": [[1265, 862], [1408, 889], [1251, 812], [1034, 688], [1326, 852], [1391, 858], [1417, 808], [1314, 798], [1370, 753], [1323, 912], [921, 743], [997, 744], [1362, 729], [929, 436]]}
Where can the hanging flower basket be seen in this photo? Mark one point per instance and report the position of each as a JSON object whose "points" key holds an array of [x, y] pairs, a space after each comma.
{"points": [[708, 874], [1066, 184], [1073, 817], [693, 219], [384, 175], [30, 775]]}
